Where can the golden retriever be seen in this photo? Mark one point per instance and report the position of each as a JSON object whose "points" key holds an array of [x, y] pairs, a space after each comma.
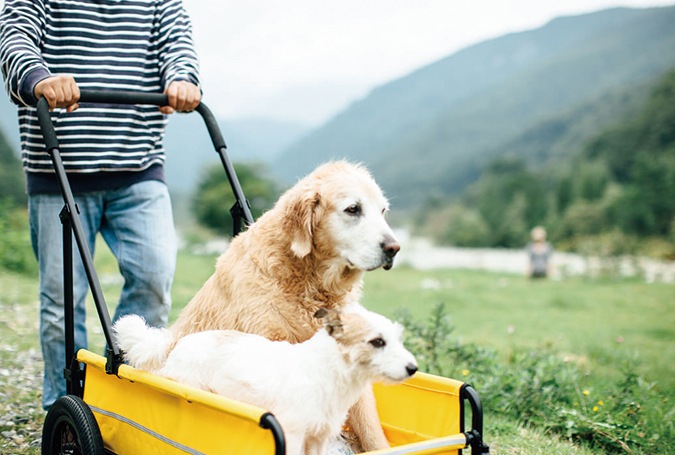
{"points": [[308, 252]]}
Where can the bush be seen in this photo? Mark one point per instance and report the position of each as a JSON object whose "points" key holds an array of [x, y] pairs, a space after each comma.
{"points": [[583, 219], [627, 416], [438, 353], [550, 391], [16, 252], [458, 226], [213, 199]]}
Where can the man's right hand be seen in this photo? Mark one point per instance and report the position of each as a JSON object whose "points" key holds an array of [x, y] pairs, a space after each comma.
{"points": [[59, 90]]}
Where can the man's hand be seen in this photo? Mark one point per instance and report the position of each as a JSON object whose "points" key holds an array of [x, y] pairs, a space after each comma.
{"points": [[183, 97], [59, 90]]}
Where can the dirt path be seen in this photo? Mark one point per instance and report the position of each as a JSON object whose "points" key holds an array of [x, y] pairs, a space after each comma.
{"points": [[21, 416], [423, 255]]}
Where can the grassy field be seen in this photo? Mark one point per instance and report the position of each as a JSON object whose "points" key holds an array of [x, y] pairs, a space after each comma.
{"points": [[596, 321], [596, 324]]}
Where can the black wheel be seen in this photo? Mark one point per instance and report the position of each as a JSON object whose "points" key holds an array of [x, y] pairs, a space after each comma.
{"points": [[71, 429]]}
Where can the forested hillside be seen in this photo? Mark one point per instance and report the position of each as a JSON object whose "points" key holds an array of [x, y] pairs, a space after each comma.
{"points": [[15, 247], [618, 190], [11, 175], [431, 133]]}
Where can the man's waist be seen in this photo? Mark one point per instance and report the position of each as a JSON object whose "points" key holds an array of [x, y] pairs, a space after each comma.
{"points": [[46, 182]]}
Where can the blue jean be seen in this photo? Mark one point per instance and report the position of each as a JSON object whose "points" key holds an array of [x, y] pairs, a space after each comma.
{"points": [[137, 224]]}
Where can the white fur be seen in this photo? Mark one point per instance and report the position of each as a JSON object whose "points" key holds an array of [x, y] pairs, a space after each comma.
{"points": [[147, 347], [308, 386]]}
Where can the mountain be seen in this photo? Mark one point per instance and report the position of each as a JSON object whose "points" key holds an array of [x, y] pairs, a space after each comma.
{"points": [[612, 195], [430, 132]]}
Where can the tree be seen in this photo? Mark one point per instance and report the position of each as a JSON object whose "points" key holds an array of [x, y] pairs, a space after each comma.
{"points": [[11, 176], [213, 199], [510, 199], [648, 203], [592, 179]]}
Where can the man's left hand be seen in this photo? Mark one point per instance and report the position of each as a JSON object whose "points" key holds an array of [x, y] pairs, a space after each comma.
{"points": [[183, 97]]}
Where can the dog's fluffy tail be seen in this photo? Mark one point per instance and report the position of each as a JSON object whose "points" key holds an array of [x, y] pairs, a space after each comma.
{"points": [[145, 348]]}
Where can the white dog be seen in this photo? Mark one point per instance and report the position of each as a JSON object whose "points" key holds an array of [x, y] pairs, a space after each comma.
{"points": [[308, 386]]}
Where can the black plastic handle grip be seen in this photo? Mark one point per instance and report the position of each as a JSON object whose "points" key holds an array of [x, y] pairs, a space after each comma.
{"points": [[46, 125], [125, 97]]}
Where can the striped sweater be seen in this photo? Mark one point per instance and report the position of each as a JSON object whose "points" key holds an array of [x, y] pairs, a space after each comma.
{"points": [[104, 44]]}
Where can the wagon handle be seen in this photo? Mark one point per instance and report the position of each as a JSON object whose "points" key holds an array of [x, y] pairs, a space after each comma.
{"points": [[155, 99], [240, 211], [241, 208], [72, 226]]}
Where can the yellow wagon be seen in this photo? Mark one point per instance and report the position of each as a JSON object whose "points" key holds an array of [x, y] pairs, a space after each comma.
{"points": [[112, 408]]}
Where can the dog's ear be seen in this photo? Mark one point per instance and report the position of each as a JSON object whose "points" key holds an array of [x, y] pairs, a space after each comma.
{"points": [[331, 320], [299, 223]]}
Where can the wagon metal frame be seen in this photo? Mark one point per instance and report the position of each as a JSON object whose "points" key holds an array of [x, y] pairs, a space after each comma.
{"points": [[112, 408]]}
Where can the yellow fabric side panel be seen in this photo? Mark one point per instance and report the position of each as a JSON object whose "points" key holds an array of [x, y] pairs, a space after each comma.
{"points": [[140, 413], [137, 418], [422, 408]]}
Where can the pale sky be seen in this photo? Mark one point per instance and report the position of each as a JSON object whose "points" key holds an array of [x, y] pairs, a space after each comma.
{"points": [[308, 59], [305, 60]]}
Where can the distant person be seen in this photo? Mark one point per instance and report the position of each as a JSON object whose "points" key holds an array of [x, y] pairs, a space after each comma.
{"points": [[539, 253], [113, 155]]}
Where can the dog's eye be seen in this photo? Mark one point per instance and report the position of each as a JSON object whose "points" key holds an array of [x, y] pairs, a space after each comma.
{"points": [[378, 342], [354, 210]]}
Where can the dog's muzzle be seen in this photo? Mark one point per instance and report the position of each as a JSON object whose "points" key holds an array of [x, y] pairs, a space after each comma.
{"points": [[389, 248]]}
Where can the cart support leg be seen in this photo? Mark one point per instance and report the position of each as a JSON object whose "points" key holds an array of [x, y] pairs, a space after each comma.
{"points": [[68, 298], [71, 372], [238, 217]]}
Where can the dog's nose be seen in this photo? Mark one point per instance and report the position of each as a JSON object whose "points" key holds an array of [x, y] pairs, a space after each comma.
{"points": [[390, 247], [411, 368]]}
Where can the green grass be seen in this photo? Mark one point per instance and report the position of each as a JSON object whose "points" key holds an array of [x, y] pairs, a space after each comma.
{"points": [[20, 365], [594, 323], [507, 437], [584, 335]]}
